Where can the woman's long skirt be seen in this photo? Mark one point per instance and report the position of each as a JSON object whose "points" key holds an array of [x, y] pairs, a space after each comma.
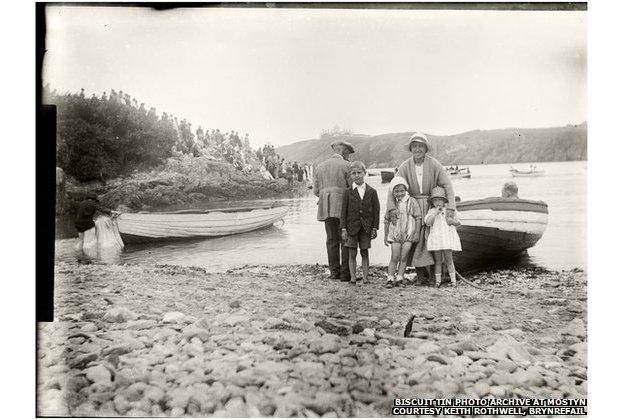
{"points": [[419, 256]]}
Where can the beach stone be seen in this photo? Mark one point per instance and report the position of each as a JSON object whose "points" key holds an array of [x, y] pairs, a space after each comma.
{"points": [[465, 345], [498, 391], [273, 323], [141, 324], [98, 374], [502, 378], [173, 317], [154, 394], [507, 346], [124, 377], [438, 358], [119, 314], [305, 325], [324, 402], [528, 378], [175, 412], [368, 332], [359, 339], [384, 323], [52, 403], [236, 319], [481, 388], [234, 304], [89, 327], [121, 404], [514, 332], [82, 360], [416, 377], [446, 388], [328, 343], [428, 347], [506, 366], [191, 331], [335, 326], [576, 328]]}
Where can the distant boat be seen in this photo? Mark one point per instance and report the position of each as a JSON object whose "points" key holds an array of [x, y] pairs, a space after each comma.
{"points": [[386, 176], [458, 173], [533, 172], [496, 229], [142, 227]]}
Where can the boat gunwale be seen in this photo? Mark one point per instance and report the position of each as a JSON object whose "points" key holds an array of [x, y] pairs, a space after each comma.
{"points": [[539, 206]]}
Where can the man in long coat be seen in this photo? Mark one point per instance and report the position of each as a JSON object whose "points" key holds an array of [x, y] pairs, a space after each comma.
{"points": [[331, 178]]}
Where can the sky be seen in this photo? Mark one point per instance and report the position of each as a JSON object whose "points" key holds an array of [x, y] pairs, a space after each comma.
{"points": [[284, 75]]}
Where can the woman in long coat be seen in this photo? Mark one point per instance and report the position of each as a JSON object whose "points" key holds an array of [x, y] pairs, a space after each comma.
{"points": [[422, 173]]}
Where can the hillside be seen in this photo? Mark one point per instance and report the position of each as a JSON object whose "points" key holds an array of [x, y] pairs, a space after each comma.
{"points": [[510, 145]]}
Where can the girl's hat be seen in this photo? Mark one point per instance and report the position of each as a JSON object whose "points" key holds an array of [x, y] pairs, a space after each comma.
{"points": [[438, 192], [417, 138], [398, 180]]}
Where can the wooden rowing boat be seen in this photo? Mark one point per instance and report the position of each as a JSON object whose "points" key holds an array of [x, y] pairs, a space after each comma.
{"points": [[526, 174], [386, 176], [458, 173], [142, 227], [497, 229]]}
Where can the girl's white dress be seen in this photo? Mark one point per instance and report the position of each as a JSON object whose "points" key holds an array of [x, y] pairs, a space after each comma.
{"points": [[406, 228], [441, 235]]}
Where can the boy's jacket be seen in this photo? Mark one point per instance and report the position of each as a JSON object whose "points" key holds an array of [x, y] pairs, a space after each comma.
{"points": [[359, 213]]}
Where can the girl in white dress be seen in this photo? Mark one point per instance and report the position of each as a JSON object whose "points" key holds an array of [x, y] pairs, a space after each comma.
{"points": [[401, 230], [443, 238]]}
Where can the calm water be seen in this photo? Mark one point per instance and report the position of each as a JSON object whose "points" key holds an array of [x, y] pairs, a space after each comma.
{"points": [[301, 239]]}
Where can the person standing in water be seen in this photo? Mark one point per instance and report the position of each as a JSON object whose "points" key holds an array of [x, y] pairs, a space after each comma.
{"points": [[85, 223]]}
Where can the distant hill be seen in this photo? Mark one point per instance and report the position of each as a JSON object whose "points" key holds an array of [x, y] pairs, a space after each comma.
{"points": [[509, 145]]}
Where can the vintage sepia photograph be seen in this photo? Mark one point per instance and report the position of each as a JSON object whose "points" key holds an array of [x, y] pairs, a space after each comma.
{"points": [[312, 209]]}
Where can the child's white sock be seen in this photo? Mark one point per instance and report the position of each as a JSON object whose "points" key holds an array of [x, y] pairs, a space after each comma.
{"points": [[438, 278], [453, 280]]}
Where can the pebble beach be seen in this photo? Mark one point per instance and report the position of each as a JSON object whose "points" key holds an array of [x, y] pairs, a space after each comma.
{"points": [[162, 340]]}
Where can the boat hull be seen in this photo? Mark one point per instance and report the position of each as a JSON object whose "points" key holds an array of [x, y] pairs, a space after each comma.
{"points": [[146, 227], [456, 176], [494, 230], [527, 175]]}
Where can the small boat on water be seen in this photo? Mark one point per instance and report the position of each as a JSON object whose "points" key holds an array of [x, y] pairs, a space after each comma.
{"points": [[458, 173], [386, 176], [531, 173], [142, 227], [497, 229]]}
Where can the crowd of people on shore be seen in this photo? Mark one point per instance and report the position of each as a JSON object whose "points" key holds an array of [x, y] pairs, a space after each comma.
{"points": [[275, 167]]}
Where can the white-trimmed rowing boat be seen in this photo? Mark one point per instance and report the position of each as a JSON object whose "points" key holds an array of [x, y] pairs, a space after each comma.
{"points": [[496, 229], [526, 174], [458, 173], [141, 227]]}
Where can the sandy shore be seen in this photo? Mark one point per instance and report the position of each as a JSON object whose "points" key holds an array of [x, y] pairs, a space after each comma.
{"points": [[286, 341]]}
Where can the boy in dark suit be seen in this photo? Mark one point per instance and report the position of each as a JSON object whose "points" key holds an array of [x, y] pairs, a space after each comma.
{"points": [[359, 219]]}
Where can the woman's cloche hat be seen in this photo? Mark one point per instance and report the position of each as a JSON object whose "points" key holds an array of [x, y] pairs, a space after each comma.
{"points": [[346, 144], [398, 180], [438, 192], [417, 138]]}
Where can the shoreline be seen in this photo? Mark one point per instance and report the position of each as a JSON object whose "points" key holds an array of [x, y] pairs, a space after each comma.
{"points": [[284, 340]]}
